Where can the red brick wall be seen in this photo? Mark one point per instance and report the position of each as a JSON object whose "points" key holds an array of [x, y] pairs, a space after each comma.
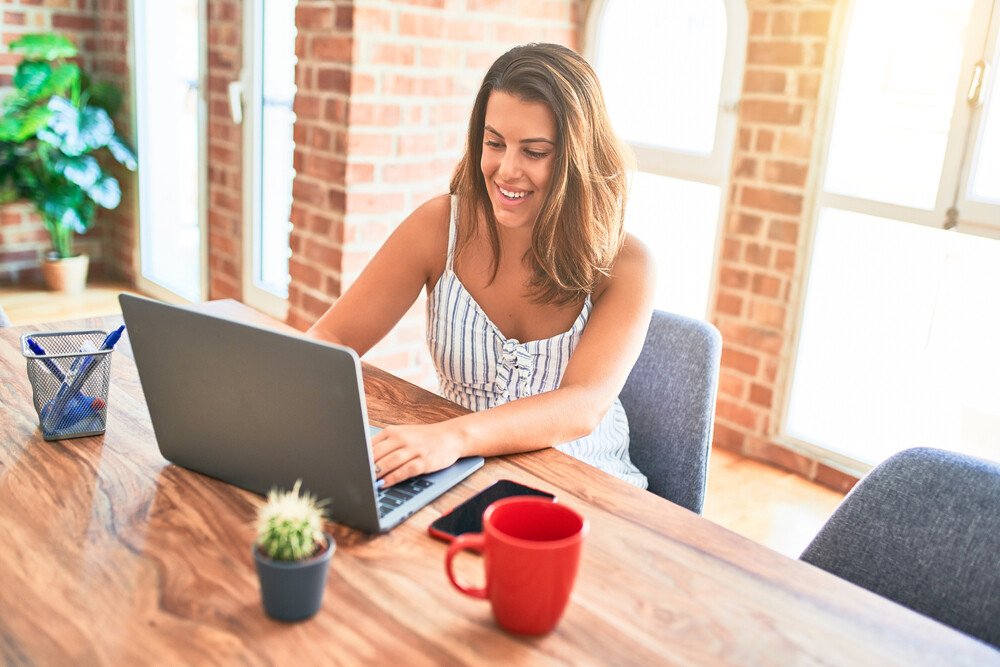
{"points": [[768, 218], [398, 95], [225, 152]]}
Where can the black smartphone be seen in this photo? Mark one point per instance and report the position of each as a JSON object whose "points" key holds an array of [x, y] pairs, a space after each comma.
{"points": [[468, 516]]}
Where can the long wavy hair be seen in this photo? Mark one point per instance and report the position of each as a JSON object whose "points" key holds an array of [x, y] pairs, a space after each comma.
{"points": [[580, 227]]}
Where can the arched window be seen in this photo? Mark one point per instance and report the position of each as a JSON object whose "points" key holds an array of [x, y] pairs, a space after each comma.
{"points": [[671, 71]]}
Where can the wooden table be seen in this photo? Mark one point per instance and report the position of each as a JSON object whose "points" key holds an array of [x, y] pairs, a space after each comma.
{"points": [[111, 555]]}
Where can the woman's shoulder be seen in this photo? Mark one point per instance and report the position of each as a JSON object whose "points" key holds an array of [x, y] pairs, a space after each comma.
{"points": [[634, 268], [425, 233]]}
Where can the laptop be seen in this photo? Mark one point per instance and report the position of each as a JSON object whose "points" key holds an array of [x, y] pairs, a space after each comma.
{"points": [[260, 409]]}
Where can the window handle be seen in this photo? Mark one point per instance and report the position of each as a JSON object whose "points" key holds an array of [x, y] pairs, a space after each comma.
{"points": [[975, 95], [236, 101]]}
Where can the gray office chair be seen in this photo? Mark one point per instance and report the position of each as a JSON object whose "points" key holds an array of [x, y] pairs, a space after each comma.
{"points": [[669, 399], [923, 529]]}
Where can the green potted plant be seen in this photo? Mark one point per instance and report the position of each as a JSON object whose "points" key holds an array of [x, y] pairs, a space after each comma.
{"points": [[55, 124], [292, 554]]}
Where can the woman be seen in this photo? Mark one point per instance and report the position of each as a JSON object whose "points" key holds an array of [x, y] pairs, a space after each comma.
{"points": [[529, 246]]}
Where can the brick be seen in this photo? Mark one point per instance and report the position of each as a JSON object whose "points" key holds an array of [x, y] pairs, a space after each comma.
{"points": [[373, 114], [757, 254], [769, 111], [744, 139], [465, 31], [333, 80], [780, 456], [764, 81], [14, 18], [761, 395], [420, 25], [747, 225], [784, 23], [785, 173], [758, 22], [369, 145], [768, 314], [324, 168], [345, 18], [374, 203], [731, 384], [784, 261], [729, 304], [369, 20], [795, 144], [332, 48], [359, 173], [766, 285], [775, 52], [727, 438], [731, 249], [834, 479], [736, 413], [808, 85], [765, 141], [783, 231], [315, 18], [735, 278], [393, 54], [746, 167], [814, 23], [752, 337], [772, 200], [420, 144]]}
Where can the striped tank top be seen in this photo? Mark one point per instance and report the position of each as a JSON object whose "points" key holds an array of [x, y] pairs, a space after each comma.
{"points": [[480, 368]]}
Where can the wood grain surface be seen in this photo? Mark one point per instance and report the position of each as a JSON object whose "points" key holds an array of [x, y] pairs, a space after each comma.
{"points": [[111, 555]]}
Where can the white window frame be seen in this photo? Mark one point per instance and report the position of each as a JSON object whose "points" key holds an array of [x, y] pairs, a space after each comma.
{"points": [[139, 122], [973, 215], [251, 81], [711, 169]]}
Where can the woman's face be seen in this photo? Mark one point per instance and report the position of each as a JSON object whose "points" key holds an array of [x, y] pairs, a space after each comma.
{"points": [[519, 145]]}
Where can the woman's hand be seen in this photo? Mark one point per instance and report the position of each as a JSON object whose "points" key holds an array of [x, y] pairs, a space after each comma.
{"points": [[402, 452]]}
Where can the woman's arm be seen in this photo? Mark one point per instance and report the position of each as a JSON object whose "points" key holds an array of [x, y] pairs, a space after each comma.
{"points": [[595, 375], [390, 283]]}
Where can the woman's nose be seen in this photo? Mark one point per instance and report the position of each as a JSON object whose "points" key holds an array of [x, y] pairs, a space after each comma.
{"points": [[510, 166]]}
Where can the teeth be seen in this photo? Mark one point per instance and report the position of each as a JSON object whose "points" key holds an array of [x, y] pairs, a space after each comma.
{"points": [[512, 195]]}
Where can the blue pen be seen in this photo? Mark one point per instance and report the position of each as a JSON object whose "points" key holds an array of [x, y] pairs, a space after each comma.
{"points": [[81, 376], [38, 350]]}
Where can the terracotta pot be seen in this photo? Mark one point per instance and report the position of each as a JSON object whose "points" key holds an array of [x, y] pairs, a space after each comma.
{"points": [[66, 275]]}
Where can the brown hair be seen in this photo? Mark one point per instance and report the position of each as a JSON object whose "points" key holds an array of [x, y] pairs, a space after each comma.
{"points": [[580, 229]]}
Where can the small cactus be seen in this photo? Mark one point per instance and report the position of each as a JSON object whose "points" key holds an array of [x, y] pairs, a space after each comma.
{"points": [[290, 525]]}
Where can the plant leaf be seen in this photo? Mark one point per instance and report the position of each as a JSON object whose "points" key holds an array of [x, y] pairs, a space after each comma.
{"points": [[44, 46], [63, 77], [105, 95], [31, 77], [84, 170], [121, 152], [20, 127], [106, 192], [75, 132]]}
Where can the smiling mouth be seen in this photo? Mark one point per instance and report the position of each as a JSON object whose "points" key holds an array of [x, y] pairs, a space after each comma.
{"points": [[513, 196]]}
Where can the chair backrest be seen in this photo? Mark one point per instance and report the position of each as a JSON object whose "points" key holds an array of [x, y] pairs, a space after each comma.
{"points": [[923, 529], [669, 399]]}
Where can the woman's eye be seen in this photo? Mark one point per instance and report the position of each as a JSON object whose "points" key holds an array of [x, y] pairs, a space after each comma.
{"points": [[492, 144], [535, 155]]}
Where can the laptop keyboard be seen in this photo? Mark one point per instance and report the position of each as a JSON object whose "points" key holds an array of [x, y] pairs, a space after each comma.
{"points": [[391, 498]]}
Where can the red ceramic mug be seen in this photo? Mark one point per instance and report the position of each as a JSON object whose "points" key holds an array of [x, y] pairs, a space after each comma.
{"points": [[531, 548]]}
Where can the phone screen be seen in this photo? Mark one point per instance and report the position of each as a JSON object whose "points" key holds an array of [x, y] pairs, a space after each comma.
{"points": [[468, 517]]}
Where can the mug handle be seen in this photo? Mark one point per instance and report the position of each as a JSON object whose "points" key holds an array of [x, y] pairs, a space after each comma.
{"points": [[468, 542]]}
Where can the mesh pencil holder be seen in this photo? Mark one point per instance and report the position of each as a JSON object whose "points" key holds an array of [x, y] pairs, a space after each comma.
{"points": [[69, 382]]}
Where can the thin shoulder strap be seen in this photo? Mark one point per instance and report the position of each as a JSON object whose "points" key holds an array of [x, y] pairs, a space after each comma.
{"points": [[452, 233]]}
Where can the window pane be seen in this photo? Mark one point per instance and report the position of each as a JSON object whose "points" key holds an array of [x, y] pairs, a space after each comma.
{"points": [[277, 146], [678, 220], [986, 170], [898, 341], [168, 95], [894, 105], [660, 64]]}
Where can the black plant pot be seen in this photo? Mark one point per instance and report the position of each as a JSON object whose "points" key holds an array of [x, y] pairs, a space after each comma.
{"points": [[293, 590]]}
